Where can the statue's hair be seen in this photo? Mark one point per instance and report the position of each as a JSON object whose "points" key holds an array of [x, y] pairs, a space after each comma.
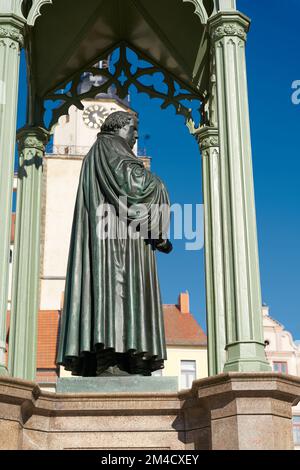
{"points": [[116, 121]]}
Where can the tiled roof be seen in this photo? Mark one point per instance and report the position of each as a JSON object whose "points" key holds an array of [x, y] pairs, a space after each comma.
{"points": [[182, 329]]}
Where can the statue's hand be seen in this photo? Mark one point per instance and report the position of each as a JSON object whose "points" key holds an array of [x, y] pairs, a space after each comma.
{"points": [[165, 246]]}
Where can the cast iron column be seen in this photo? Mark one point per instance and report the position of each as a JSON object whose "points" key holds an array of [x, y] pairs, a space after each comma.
{"points": [[241, 287], [11, 40], [26, 266], [208, 138]]}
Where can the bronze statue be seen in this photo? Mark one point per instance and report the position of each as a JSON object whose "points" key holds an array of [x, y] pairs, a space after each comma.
{"points": [[112, 317]]}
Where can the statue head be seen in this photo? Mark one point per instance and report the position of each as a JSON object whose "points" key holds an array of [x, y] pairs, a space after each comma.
{"points": [[122, 124]]}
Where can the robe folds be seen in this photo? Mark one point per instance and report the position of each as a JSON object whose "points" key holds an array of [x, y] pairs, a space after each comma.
{"points": [[112, 313]]}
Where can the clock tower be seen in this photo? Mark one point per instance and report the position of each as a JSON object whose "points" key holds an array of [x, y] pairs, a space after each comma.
{"points": [[76, 133], [95, 115]]}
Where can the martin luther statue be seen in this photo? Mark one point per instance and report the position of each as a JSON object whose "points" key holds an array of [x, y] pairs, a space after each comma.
{"points": [[112, 317]]}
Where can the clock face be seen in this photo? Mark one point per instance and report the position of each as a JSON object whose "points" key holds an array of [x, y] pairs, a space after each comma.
{"points": [[95, 115]]}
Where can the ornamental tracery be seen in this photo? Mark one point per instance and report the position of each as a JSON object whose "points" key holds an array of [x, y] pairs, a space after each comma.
{"points": [[127, 68]]}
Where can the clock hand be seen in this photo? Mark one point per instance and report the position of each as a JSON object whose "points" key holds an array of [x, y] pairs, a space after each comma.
{"points": [[97, 118]]}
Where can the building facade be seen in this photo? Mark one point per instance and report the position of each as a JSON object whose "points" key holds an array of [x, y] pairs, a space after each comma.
{"points": [[186, 344], [283, 354]]}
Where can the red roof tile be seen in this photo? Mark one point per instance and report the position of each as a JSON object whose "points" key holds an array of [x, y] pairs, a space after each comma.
{"points": [[182, 329]]}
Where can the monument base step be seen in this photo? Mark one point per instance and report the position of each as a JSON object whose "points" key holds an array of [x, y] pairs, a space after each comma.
{"points": [[118, 384]]}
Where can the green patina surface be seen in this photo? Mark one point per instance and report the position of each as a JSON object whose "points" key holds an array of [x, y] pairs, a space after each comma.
{"points": [[133, 383]]}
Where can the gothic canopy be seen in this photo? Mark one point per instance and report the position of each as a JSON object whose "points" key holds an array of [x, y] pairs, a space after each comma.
{"points": [[66, 36]]}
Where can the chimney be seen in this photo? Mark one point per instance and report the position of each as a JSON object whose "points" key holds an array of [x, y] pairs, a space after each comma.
{"points": [[184, 302], [265, 310], [62, 299]]}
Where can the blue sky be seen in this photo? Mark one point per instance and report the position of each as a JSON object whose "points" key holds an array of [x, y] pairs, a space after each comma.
{"points": [[273, 64]]}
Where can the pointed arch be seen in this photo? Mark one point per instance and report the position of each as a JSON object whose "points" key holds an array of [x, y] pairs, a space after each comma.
{"points": [[200, 10], [35, 10]]}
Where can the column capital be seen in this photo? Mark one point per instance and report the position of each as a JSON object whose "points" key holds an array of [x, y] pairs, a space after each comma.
{"points": [[228, 24], [11, 28], [32, 138], [9, 31], [207, 137]]}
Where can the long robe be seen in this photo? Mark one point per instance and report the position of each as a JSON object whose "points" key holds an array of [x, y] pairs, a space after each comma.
{"points": [[112, 313]]}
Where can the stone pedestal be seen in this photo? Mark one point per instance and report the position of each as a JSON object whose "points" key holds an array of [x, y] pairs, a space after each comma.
{"points": [[230, 411], [249, 411]]}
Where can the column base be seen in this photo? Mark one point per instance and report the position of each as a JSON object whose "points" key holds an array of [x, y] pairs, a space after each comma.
{"points": [[246, 356], [3, 371]]}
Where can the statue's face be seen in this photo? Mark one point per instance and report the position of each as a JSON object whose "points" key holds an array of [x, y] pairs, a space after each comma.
{"points": [[130, 132]]}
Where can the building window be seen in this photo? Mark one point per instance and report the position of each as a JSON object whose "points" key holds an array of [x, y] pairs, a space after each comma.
{"points": [[280, 367], [187, 373], [14, 201], [296, 430]]}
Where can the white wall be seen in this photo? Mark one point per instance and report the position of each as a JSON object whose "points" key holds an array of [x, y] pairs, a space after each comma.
{"points": [[62, 176], [176, 354]]}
